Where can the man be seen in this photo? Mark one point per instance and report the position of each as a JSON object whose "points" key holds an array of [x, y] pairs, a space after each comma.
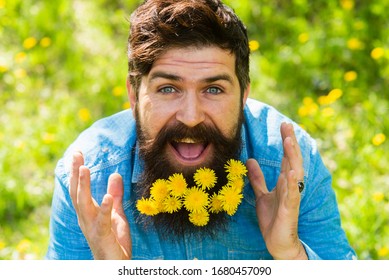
{"points": [[188, 86]]}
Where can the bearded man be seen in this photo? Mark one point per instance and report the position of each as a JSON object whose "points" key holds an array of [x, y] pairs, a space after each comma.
{"points": [[188, 86]]}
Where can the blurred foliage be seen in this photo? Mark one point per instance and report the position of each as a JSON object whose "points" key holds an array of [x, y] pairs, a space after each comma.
{"points": [[323, 63]]}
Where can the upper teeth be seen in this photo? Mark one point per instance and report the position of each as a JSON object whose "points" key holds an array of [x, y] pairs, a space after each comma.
{"points": [[187, 140]]}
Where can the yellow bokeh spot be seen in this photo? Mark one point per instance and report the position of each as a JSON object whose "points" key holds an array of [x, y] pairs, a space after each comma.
{"points": [[328, 112], [377, 53], [45, 42], [303, 38], [355, 44], [126, 105], [378, 139], [382, 252], [350, 76], [20, 73], [3, 68], [20, 57], [309, 107], [48, 138], [358, 191], [2, 245], [23, 246], [29, 43], [2, 4], [84, 114], [378, 196], [254, 45], [347, 4], [118, 91]]}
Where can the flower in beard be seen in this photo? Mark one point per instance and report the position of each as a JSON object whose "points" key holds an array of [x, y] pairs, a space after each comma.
{"points": [[147, 206], [159, 190], [205, 178], [231, 198], [235, 169], [199, 218], [177, 185], [196, 200], [216, 203], [172, 204]]}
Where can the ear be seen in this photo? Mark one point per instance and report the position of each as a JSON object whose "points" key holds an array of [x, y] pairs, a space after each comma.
{"points": [[131, 96], [246, 94]]}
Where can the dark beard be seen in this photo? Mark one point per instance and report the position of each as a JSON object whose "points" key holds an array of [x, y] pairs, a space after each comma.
{"points": [[157, 166]]}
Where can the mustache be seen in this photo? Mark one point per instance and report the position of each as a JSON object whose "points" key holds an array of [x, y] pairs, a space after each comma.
{"points": [[199, 133]]}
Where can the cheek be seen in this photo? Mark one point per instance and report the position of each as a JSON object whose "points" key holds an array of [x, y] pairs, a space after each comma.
{"points": [[153, 118]]}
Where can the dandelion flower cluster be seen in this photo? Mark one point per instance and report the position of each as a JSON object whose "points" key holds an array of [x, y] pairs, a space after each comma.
{"points": [[173, 194]]}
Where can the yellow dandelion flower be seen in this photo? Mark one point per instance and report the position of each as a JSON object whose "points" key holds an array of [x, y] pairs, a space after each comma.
{"points": [[20, 57], [216, 203], [48, 138], [309, 107], [196, 199], [45, 42], [159, 190], [235, 168], [303, 38], [126, 105], [3, 68], [23, 246], [199, 218], [29, 43], [350, 76], [172, 204], [231, 198], [237, 183], [355, 44], [377, 53], [20, 73], [117, 91], [328, 112], [378, 139], [205, 178], [382, 252], [147, 206], [84, 114], [378, 196], [177, 185], [347, 4], [254, 45]]}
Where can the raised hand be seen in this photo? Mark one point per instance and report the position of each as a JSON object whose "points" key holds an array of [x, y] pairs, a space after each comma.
{"points": [[278, 210], [105, 227]]}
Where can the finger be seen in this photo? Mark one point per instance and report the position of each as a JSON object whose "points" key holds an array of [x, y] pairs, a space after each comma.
{"points": [[115, 189], [292, 150], [256, 178], [104, 216], [293, 197], [85, 203], [77, 161]]}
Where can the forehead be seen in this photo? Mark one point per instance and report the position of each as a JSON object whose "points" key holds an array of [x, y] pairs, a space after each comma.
{"points": [[192, 59]]}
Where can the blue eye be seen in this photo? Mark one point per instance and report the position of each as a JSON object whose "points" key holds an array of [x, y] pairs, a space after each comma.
{"points": [[167, 90], [214, 90]]}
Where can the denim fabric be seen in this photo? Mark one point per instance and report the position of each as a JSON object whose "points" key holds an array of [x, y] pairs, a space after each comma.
{"points": [[110, 146]]}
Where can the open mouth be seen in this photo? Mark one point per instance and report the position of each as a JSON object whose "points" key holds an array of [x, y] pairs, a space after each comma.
{"points": [[189, 149]]}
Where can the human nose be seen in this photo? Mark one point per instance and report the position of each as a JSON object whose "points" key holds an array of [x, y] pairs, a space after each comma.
{"points": [[191, 111]]}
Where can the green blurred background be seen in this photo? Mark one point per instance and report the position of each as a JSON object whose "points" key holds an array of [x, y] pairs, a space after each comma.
{"points": [[324, 63]]}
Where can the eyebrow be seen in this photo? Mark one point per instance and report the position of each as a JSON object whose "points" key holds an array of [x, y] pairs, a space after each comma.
{"points": [[173, 77]]}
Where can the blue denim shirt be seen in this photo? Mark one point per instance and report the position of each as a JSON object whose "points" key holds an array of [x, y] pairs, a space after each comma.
{"points": [[110, 146]]}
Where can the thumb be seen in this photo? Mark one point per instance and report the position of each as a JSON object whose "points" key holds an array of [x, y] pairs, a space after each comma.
{"points": [[256, 178]]}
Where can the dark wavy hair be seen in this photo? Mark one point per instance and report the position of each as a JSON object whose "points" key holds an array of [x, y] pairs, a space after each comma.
{"points": [[158, 25]]}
